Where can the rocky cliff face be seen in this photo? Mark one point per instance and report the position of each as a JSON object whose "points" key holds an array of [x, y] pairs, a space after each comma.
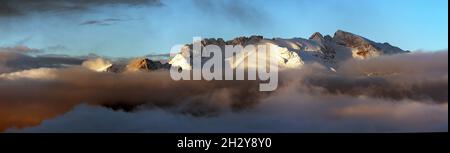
{"points": [[144, 64], [363, 47], [138, 64]]}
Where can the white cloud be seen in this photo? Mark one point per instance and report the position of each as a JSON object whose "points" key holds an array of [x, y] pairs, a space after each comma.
{"points": [[36, 74], [98, 64]]}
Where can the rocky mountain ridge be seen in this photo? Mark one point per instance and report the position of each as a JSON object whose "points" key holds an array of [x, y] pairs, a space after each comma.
{"points": [[291, 53]]}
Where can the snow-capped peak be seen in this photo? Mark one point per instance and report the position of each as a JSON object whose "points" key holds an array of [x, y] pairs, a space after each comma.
{"points": [[297, 51]]}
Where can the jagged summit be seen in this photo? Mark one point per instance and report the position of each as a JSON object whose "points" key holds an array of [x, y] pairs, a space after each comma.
{"points": [[139, 64], [133, 65], [364, 47], [349, 39], [144, 64], [316, 36], [236, 41]]}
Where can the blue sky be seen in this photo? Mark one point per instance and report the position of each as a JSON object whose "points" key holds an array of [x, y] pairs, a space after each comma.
{"points": [[136, 30]]}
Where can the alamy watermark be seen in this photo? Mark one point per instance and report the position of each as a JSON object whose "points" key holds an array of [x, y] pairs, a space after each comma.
{"points": [[229, 62]]}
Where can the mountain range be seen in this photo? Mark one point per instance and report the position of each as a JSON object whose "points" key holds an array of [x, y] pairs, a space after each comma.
{"points": [[292, 53]]}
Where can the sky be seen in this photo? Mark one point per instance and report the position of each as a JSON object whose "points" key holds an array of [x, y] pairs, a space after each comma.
{"points": [[132, 28]]}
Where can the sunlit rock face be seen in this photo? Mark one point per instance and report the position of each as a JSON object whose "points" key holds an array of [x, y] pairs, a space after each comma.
{"points": [[144, 64], [363, 47], [134, 65]]}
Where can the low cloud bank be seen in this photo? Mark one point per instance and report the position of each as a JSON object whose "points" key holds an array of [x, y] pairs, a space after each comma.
{"points": [[400, 93]]}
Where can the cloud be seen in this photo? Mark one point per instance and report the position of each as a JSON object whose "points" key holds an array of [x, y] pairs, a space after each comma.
{"points": [[35, 74], [15, 60], [416, 76], [281, 113], [243, 12], [98, 64], [402, 93], [73, 86], [56, 48], [94, 22], [24, 7], [19, 49], [108, 21]]}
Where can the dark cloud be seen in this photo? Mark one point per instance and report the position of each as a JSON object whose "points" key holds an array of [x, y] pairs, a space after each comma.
{"points": [[93, 22], [19, 49], [72, 86], [56, 48], [23, 7], [6, 10], [15, 60], [403, 93], [108, 21], [284, 112]]}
